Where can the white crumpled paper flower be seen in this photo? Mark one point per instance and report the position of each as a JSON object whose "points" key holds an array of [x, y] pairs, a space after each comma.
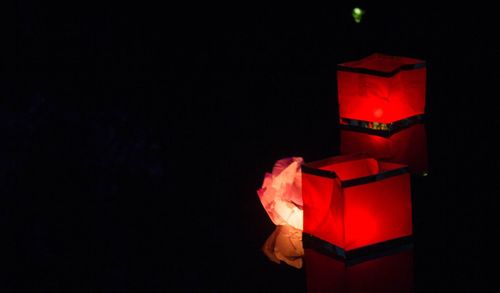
{"points": [[281, 193]]}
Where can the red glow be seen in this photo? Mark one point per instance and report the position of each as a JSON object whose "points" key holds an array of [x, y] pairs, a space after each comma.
{"points": [[323, 208], [369, 97], [377, 212], [359, 215], [353, 169], [388, 274], [408, 146]]}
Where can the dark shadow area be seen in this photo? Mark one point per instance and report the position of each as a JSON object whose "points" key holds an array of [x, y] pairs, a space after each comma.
{"points": [[134, 138]]}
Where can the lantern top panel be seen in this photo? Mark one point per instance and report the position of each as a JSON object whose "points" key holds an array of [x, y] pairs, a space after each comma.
{"points": [[380, 64]]}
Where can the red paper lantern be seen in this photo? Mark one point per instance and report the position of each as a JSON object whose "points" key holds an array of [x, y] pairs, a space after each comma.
{"points": [[354, 202], [408, 146], [390, 273], [381, 92]]}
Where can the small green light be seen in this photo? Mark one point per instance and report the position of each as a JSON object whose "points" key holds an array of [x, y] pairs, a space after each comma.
{"points": [[357, 14]]}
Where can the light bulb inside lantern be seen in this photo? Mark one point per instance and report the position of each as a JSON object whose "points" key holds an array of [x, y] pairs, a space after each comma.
{"points": [[378, 113]]}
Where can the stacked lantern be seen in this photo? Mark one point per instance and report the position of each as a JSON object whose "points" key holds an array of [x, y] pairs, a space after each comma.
{"points": [[381, 107], [381, 92], [361, 200]]}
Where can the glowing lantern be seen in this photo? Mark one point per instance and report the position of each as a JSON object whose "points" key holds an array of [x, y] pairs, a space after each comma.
{"points": [[391, 273], [408, 146], [381, 92], [354, 202]]}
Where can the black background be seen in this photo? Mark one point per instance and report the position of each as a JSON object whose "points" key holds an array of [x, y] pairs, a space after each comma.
{"points": [[135, 136]]}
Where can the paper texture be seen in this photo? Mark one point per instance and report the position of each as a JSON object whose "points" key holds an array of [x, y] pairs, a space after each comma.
{"points": [[281, 193], [285, 244]]}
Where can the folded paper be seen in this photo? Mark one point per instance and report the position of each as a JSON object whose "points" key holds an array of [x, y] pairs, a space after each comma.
{"points": [[285, 244], [281, 193]]}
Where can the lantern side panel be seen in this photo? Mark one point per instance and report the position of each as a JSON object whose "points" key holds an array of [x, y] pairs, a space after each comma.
{"points": [[364, 97], [368, 96], [323, 208], [353, 142], [408, 146], [380, 99], [407, 93], [377, 212]]}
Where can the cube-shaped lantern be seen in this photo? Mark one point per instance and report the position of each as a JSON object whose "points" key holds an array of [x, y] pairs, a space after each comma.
{"points": [[408, 146], [381, 92], [389, 273], [354, 203]]}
